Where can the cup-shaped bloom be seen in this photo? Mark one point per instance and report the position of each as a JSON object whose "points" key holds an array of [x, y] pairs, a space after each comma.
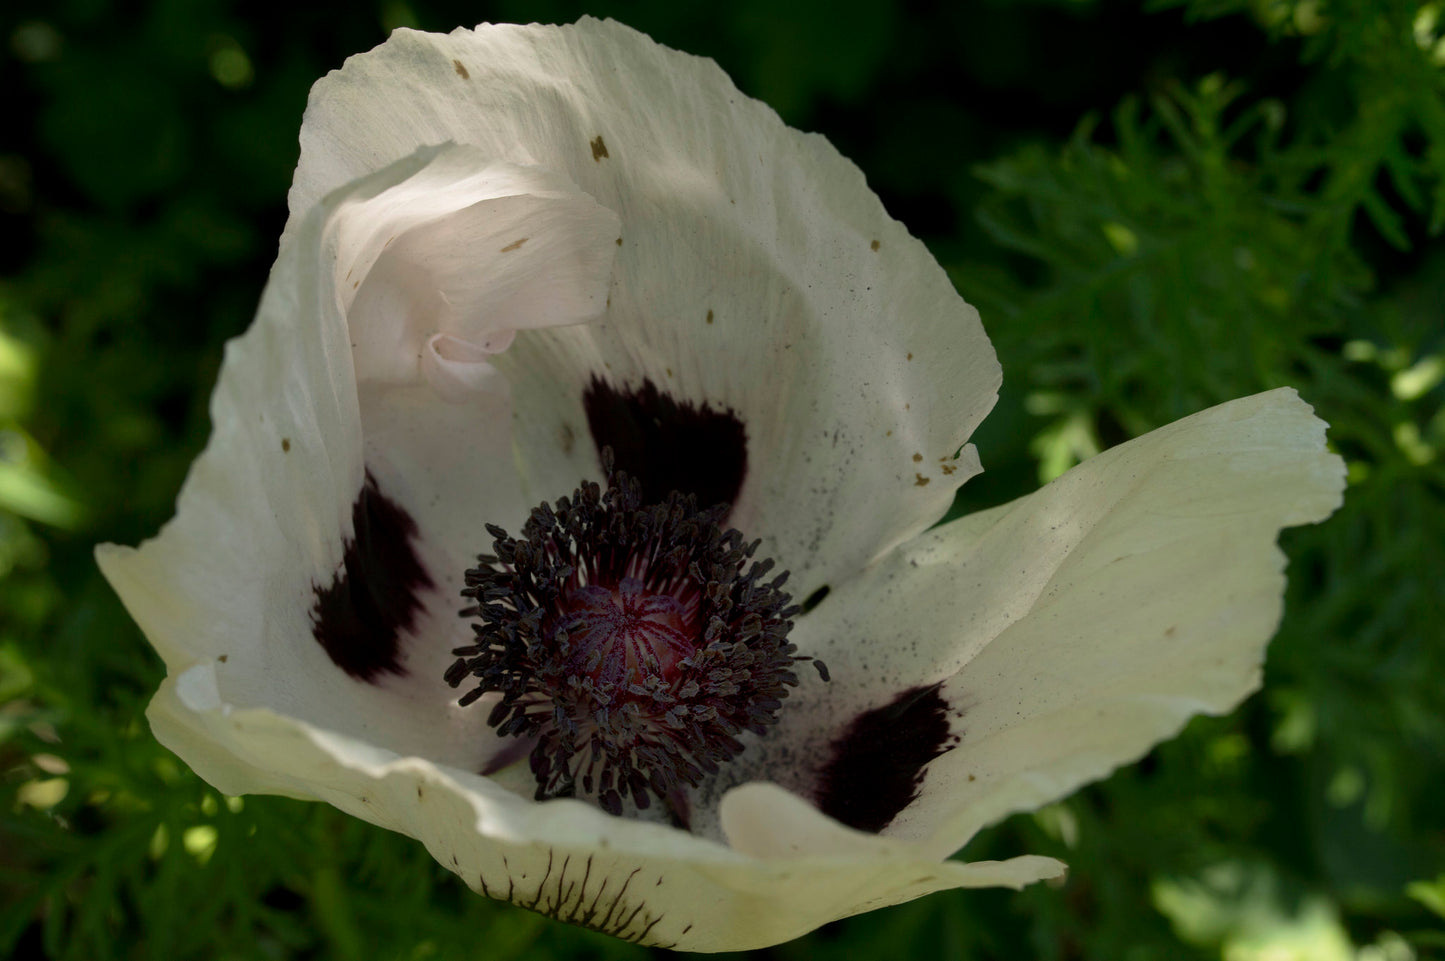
{"points": [[517, 253]]}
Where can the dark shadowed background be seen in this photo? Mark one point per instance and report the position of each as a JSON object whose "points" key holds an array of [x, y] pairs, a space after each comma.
{"points": [[1156, 209]]}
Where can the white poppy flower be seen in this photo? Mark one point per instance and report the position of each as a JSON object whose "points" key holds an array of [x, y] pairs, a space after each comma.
{"points": [[515, 247]]}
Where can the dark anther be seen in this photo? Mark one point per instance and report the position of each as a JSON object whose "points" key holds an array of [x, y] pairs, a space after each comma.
{"points": [[632, 641], [819, 666]]}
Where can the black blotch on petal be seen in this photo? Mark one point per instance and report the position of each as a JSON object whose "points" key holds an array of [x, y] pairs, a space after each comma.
{"points": [[877, 764], [669, 445], [814, 599], [359, 617]]}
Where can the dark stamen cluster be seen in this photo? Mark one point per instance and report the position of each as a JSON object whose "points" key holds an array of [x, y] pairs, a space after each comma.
{"points": [[628, 640]]}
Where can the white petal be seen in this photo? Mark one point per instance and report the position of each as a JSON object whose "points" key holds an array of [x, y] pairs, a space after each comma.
{"points": [[435, 272], [263, 508], [262, 520], [1074, 628], [566, 859], [757, 273]]}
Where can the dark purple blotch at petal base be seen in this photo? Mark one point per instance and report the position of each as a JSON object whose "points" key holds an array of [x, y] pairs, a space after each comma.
{"points": [[876, 767], [358, 619], [669, 445]]}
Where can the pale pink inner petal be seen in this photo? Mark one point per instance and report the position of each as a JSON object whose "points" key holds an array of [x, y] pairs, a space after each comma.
{"points": [[470, 249]]}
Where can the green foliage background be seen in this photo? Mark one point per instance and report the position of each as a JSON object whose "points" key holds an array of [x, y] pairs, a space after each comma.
{"points": [[1155, 210]]}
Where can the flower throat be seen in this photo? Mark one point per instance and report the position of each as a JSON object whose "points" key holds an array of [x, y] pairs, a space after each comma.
{"points": [[632, 642]]}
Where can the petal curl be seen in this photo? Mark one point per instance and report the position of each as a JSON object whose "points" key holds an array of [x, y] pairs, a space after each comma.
{"points": [[641, 882], [756, 274], [267, 514], [470, 250], [1076, 627]]}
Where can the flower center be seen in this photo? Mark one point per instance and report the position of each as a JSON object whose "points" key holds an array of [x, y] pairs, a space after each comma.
{"points": [[632, 642], [628, 630]]}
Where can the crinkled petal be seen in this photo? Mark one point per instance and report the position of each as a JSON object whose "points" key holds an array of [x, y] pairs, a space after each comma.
{"points": [[279, 515], [1074, 628], [757, 278], [638, 881], [435, 274]]}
